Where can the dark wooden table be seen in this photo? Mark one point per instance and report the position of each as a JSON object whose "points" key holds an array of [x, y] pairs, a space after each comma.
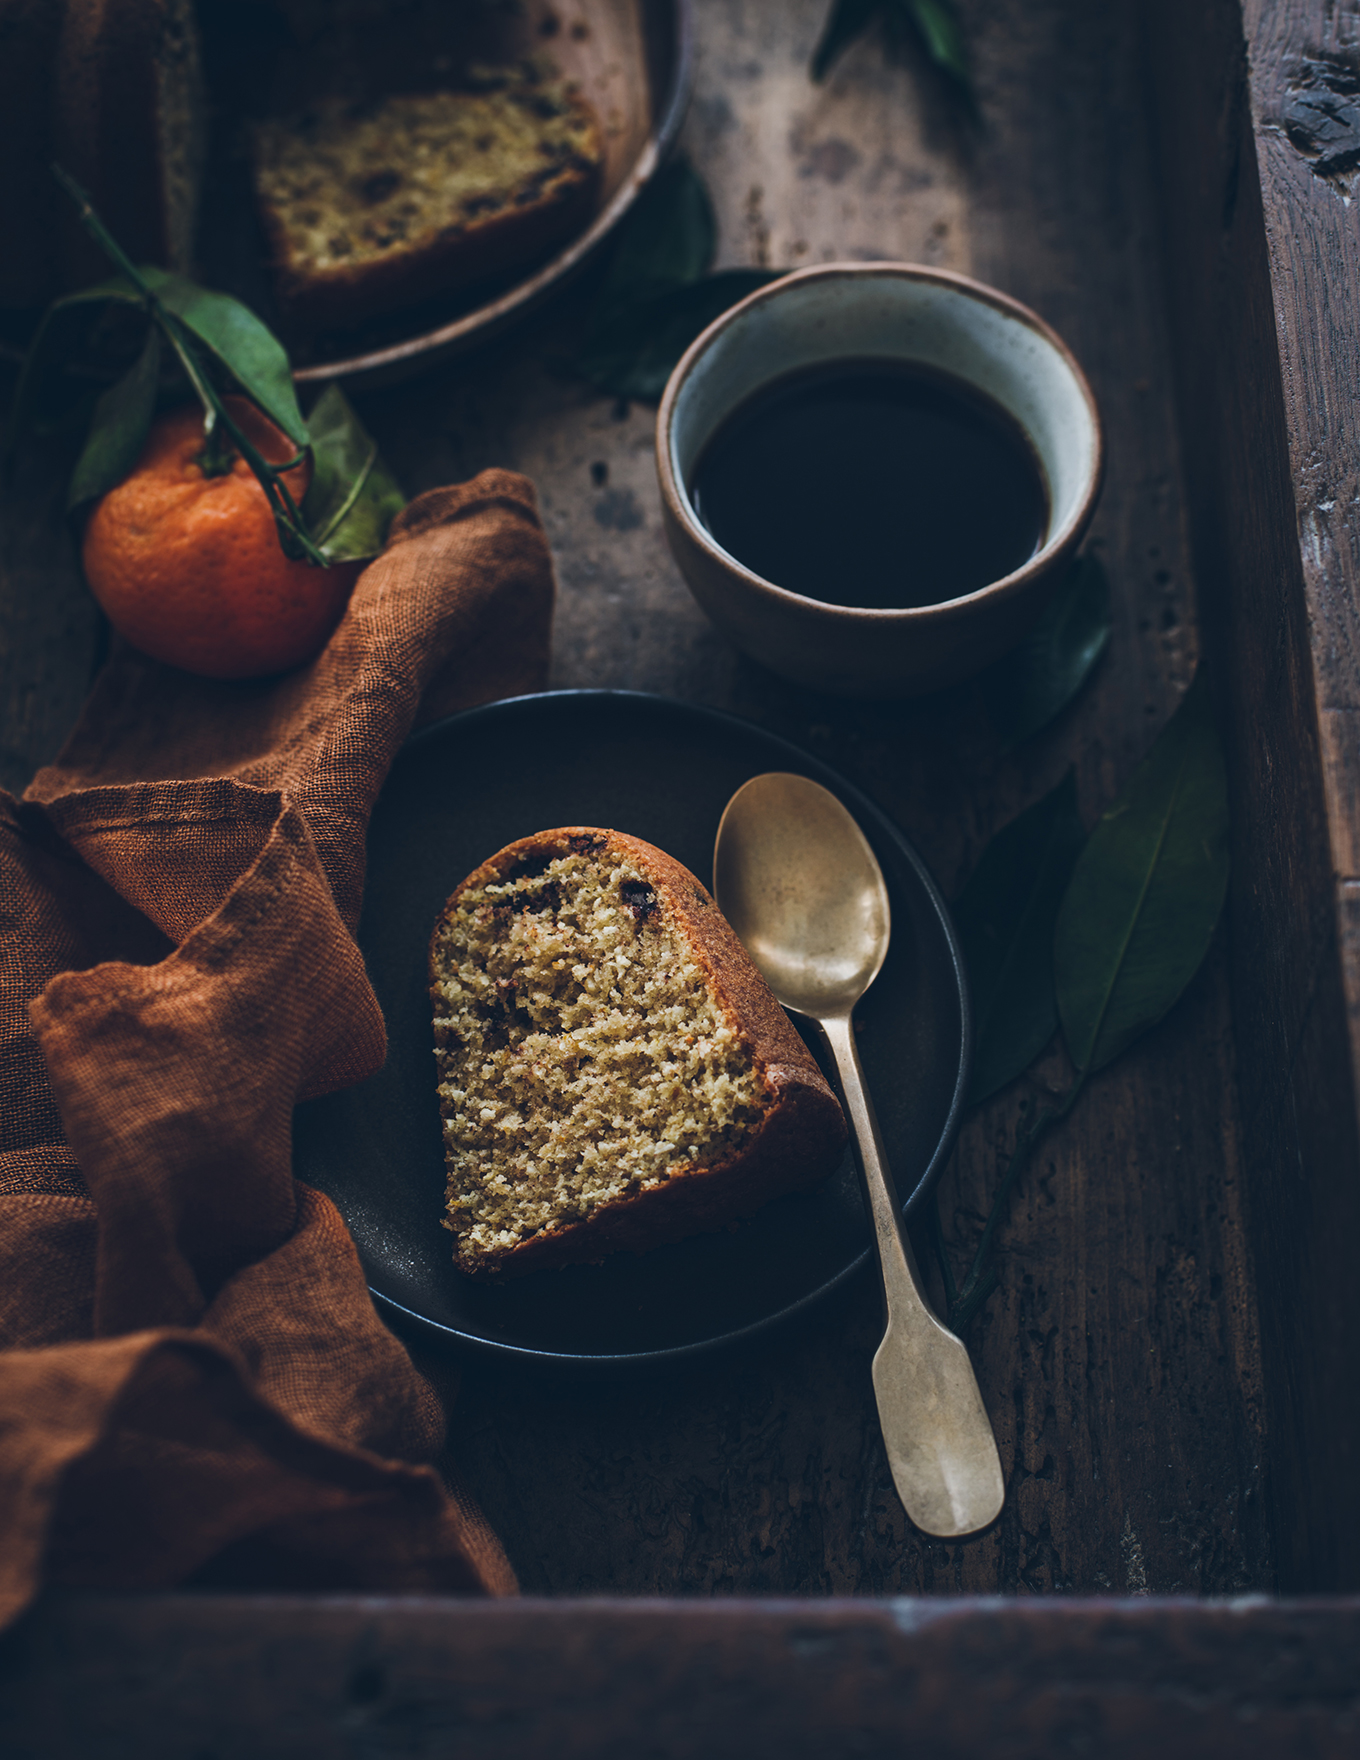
{"points": [[1169, 1358], [1126, 1302]]}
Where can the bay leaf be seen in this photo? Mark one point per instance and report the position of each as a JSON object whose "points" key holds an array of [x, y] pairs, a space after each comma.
{"points": [[239, 342], [846, 20], [353, 497], [939, 29], [1146, 892], [1005, 917], [933, 24], [1034, 683], [119, 426], [633, 352], [669, 239]]}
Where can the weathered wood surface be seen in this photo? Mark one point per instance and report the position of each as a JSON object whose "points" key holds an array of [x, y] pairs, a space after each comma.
{"points": [[294, 1678], [1263, 250], [1119, 1359]]}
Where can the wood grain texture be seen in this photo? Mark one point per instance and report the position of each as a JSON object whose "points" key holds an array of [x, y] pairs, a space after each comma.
{"points": [[333, 1677], [1119, 1359], [1260, 241]]}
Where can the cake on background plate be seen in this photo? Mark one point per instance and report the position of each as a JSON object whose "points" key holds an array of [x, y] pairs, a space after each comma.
{"points": [[376, 204]]}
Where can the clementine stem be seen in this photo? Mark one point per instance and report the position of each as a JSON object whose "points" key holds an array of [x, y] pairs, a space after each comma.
{"points": [[217, 423]]}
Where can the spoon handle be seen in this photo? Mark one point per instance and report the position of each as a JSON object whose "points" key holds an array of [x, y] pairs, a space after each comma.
{"points": [[938, 1436]]}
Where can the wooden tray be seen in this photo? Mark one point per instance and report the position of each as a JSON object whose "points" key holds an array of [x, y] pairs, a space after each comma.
{"points": [[1170, 1358]]}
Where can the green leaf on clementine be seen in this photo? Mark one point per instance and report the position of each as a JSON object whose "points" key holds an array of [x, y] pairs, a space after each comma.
{"points": [[118, 430], [239, 342], [353, 496]]}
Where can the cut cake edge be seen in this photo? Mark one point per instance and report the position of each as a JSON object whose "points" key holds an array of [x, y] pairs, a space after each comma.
{"points": [[794, 1147]]}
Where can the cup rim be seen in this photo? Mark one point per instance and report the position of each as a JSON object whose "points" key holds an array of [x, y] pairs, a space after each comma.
{"points": [[1065, 539]]}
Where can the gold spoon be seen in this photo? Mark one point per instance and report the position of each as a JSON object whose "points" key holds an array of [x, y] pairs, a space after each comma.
{"points": [[794, 875]]}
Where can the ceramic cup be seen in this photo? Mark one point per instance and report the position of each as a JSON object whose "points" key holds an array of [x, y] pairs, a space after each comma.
{"points": [[908, 313]]}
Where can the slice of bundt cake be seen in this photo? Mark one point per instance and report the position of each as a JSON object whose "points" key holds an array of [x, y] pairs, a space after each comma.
{"points": [[613, 1071], [372, 206]]}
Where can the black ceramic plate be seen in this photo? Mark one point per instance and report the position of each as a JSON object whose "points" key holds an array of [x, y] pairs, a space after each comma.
{"points": [[664, 771]]}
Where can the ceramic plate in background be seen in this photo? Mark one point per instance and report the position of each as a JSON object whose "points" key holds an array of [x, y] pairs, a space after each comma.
{"points": [[663, 771], [631, 58]]}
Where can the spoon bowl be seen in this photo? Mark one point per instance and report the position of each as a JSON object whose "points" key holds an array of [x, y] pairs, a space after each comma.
{"points": [[798, 882]]}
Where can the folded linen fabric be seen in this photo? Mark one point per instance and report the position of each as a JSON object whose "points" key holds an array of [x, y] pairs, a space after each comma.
{"points": [[194, 1384]]}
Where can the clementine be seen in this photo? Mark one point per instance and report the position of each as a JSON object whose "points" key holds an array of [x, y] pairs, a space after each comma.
{"points": [[189, 568]]}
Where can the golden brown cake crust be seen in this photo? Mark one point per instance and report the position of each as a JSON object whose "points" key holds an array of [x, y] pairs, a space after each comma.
{"points": [[800, 1136]]}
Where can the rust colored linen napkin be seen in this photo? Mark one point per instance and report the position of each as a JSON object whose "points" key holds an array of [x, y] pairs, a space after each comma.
{"points": [[193, 1381]]}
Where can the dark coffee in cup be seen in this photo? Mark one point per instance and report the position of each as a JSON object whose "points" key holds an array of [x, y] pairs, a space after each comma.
{"points": [[873, 482]]}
